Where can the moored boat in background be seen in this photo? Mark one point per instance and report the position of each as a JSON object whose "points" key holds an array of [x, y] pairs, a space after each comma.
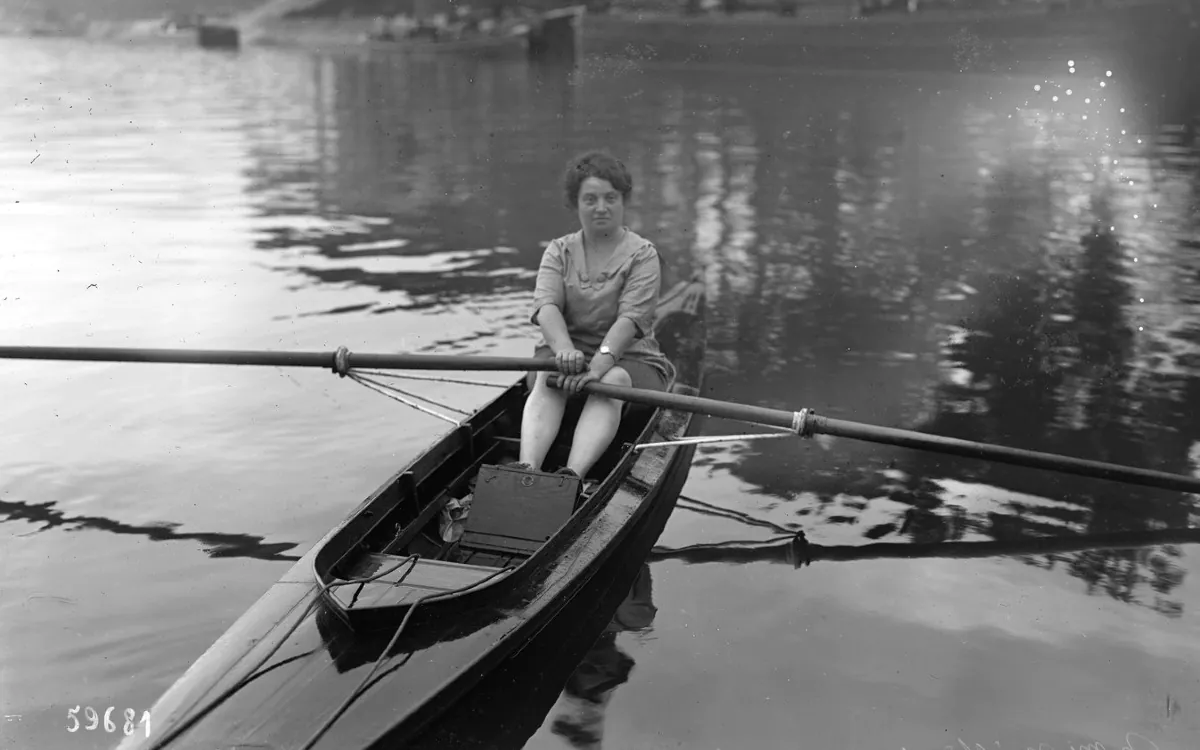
{"points": [[554, 33]]}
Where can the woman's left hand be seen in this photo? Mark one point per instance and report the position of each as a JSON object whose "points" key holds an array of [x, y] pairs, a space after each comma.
{"points": [[575, 383], [597, 368]]}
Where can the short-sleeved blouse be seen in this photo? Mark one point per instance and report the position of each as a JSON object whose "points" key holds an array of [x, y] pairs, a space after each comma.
{"points": [[591, 300]]}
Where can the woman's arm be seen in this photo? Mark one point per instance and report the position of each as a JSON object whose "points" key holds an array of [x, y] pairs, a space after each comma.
{"points": [[620, 337], [554, 328], [548, 300], [635, 311]]}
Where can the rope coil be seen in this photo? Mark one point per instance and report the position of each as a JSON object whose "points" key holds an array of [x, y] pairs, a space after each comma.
{"points": [[801, 425], [341, 361]]}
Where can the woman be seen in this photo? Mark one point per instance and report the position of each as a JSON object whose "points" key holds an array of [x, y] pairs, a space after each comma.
{"points": [[595, 300]]}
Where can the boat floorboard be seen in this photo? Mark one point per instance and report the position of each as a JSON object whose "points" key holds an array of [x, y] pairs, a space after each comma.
{"points": [[478, 557], [399, 585]]}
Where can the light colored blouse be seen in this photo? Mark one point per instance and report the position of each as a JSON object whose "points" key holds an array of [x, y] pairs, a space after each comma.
{"points": [[591, 300]]}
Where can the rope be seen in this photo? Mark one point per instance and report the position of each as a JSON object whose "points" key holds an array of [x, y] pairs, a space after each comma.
{"points": [[253, 674], [362, 686], [391, 388], [341, 361], [731, 514], [800, 422], [432, 378], [715, 439], [800, 428], [397, 394], [365, 378]]}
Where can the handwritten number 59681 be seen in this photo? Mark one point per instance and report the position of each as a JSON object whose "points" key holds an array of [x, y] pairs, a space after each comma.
{"points": [[93, 719]]}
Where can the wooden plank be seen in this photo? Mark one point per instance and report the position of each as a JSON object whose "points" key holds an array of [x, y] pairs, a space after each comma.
{"points": [[503, 544], [493, 559], [518, 511], [428, 574], [428, 577]]}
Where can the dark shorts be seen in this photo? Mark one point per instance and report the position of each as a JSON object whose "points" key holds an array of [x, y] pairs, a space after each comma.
{"points": [[641, 374]]}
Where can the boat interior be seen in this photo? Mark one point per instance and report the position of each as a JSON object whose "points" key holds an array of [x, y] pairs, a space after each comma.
{"points": [[511, 513], [411, 540]]}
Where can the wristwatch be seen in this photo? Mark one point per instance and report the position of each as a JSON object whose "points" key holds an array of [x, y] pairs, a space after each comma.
{"points": [[605, 349]]}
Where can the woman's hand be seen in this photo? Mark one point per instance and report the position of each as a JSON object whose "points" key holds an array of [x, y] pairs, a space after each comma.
{"points": [[575, 383], [600, 365], [570, 362]]}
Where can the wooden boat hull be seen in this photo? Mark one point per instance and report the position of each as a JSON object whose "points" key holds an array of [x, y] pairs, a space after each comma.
{"points": [[207, 35], [319, 660], [219, 36]]}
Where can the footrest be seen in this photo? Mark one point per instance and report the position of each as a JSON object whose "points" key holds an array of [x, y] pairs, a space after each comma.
{"points": [[515, 510]]}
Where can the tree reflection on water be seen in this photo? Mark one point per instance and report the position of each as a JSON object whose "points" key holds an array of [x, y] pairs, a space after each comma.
{"points": [[967, 259]]}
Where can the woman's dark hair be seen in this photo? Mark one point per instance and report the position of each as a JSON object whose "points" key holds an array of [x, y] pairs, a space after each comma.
{"points": [[602, 166]]}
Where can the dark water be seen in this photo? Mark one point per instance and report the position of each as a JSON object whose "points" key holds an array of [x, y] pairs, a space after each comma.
{"points": [[959, 254]]}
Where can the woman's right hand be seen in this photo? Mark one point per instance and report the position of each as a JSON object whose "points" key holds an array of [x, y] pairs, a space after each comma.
{"points": [[570, 362]]}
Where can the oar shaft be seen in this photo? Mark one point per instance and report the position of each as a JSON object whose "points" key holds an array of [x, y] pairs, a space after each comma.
{"points": [[741, 412], [275, 358], [811, 423], [1003, 454]]}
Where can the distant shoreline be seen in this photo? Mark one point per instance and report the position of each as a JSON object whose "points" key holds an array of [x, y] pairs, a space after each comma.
{"points": [[1003, 39], [1015, 39]]}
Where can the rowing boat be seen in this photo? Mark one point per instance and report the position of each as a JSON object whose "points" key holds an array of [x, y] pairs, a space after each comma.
{"points": [[384, 624]]}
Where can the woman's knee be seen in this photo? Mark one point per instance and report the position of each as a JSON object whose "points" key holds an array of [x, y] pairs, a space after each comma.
{"points": [[542, 388], [617, 376]]}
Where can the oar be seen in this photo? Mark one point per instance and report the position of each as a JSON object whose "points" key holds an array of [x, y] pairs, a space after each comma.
{"points": [[329, 360], [804, 422]]}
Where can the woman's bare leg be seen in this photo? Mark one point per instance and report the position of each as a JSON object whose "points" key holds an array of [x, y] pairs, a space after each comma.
{"points": [[598, 425], [540, 422]]}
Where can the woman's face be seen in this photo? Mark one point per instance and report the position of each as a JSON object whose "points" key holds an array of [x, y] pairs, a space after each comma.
{"points": [[601, 207]]}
